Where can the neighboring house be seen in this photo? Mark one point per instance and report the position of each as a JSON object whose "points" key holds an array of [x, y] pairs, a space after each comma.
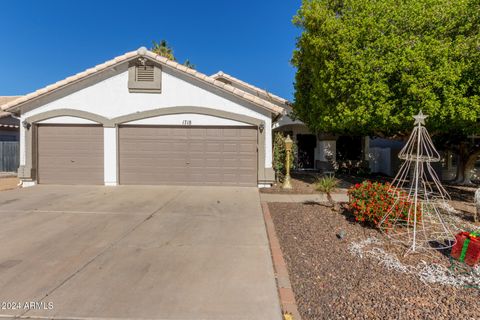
{"points": [[9, 138], [9, 126], [143, 119], [321, 151]]}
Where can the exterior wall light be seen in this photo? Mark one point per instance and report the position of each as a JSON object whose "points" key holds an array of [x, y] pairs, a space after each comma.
{"points": [[26, 125]]}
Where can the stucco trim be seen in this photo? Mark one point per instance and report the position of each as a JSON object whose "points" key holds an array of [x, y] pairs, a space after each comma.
{"points": [[27, 170], [71, 113], [185, 109]]}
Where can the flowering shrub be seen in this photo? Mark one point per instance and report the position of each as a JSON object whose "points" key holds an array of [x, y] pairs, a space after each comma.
{"points": [[370, 201]]}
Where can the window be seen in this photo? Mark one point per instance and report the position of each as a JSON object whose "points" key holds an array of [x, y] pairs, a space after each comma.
{"points": [[144, 77]]}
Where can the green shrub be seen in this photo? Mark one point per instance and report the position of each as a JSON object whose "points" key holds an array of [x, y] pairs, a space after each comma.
{"points": [[370, 202], [326, 184], [353, 167]]}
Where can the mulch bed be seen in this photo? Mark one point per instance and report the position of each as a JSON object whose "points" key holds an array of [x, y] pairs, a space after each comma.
{"points": [[331, 283], [302, 183]]}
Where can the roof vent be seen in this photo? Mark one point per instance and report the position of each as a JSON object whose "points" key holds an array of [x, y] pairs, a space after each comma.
{"points": [[144, 77], [145, 73]]}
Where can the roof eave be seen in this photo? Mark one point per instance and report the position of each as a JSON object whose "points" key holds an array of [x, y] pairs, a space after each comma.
{"points": [[16, 105], [221, 74]]}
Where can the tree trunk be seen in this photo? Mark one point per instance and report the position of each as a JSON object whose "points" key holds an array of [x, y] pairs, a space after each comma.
{"points": [[466, 164]]}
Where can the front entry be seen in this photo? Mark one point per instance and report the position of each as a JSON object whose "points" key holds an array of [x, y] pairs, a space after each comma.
{"points": [[306, 144], [155, 155]]}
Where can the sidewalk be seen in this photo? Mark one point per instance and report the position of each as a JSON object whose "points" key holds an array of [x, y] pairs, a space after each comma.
{"points": [[286, 197]]}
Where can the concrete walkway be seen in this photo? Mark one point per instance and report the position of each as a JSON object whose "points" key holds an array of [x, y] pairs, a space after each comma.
{"points": [[135, 252], [286, 197]]}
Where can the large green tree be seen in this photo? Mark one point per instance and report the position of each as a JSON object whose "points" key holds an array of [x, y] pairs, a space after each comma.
{"points": [[364, 67]]}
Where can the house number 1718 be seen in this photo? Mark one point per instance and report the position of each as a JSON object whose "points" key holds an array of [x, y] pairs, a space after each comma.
{"points": [[187, 122]]}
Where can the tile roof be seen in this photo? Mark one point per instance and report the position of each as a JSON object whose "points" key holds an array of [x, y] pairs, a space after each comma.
{"points": [[5, 99], [162, 60], [261, 92], [7, 122], [3, 114], [10, 126]]}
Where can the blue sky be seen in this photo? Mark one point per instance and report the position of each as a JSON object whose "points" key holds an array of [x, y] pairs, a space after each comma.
{"points": [[45, 41]]}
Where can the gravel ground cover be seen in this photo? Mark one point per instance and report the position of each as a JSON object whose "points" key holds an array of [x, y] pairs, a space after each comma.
{"points": [[332, 283], [304, 183]]}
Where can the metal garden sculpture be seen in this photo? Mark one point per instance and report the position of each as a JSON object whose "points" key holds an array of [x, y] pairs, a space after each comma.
{"points": [[416, 218]]}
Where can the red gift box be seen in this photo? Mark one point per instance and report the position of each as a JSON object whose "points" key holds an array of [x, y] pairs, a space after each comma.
{"points": [[467, 248]]}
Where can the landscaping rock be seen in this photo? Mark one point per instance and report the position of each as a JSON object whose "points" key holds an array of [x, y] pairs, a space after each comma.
{"points": [[331, 283]]}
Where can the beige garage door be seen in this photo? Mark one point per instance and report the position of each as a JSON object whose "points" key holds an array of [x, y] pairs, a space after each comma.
{"points": [[70, 154], [188, 155]]}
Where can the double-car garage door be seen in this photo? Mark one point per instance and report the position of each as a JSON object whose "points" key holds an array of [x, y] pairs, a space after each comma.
{"points": [[148, 155]]}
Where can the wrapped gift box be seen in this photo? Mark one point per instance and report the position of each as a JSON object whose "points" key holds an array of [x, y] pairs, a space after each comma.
{"points": [[467, 248]]}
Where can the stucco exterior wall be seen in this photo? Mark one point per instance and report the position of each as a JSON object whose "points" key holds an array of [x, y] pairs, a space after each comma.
{"points": [[67, 120], [190, 118], [111, 99]]}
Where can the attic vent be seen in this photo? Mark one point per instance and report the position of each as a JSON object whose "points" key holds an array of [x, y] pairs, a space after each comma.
{"points": [[144, 78], [145, 73]]}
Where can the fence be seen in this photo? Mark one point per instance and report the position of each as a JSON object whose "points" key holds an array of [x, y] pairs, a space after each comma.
{"points": [[9, 156]]}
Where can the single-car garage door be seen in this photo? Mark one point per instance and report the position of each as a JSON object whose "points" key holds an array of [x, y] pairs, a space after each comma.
{"points": [[70, 154], [188, 155]]}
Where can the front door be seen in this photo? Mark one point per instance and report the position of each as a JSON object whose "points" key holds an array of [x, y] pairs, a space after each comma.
{"points": [[306, 144]]}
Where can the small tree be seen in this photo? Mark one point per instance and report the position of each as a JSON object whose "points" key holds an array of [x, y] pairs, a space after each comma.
{"points": [[280, 154], [163, 49], [188, 64]]}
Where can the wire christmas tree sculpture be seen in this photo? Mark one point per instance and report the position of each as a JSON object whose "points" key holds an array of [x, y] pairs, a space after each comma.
{"points": [[416, 218]]}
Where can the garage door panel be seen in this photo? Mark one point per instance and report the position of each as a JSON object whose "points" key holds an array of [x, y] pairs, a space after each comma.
{"points": [[70, 154], [188, 156], [146, 164], [67, 162], [198, 147], [50, 145], [213, 163], [247, 134], [245, 147]]}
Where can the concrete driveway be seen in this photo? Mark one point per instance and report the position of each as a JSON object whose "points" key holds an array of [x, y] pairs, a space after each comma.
{"points": [[135, 252]]}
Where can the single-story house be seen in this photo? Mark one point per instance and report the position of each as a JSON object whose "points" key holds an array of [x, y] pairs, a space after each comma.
{"points": [[143, 119]]}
